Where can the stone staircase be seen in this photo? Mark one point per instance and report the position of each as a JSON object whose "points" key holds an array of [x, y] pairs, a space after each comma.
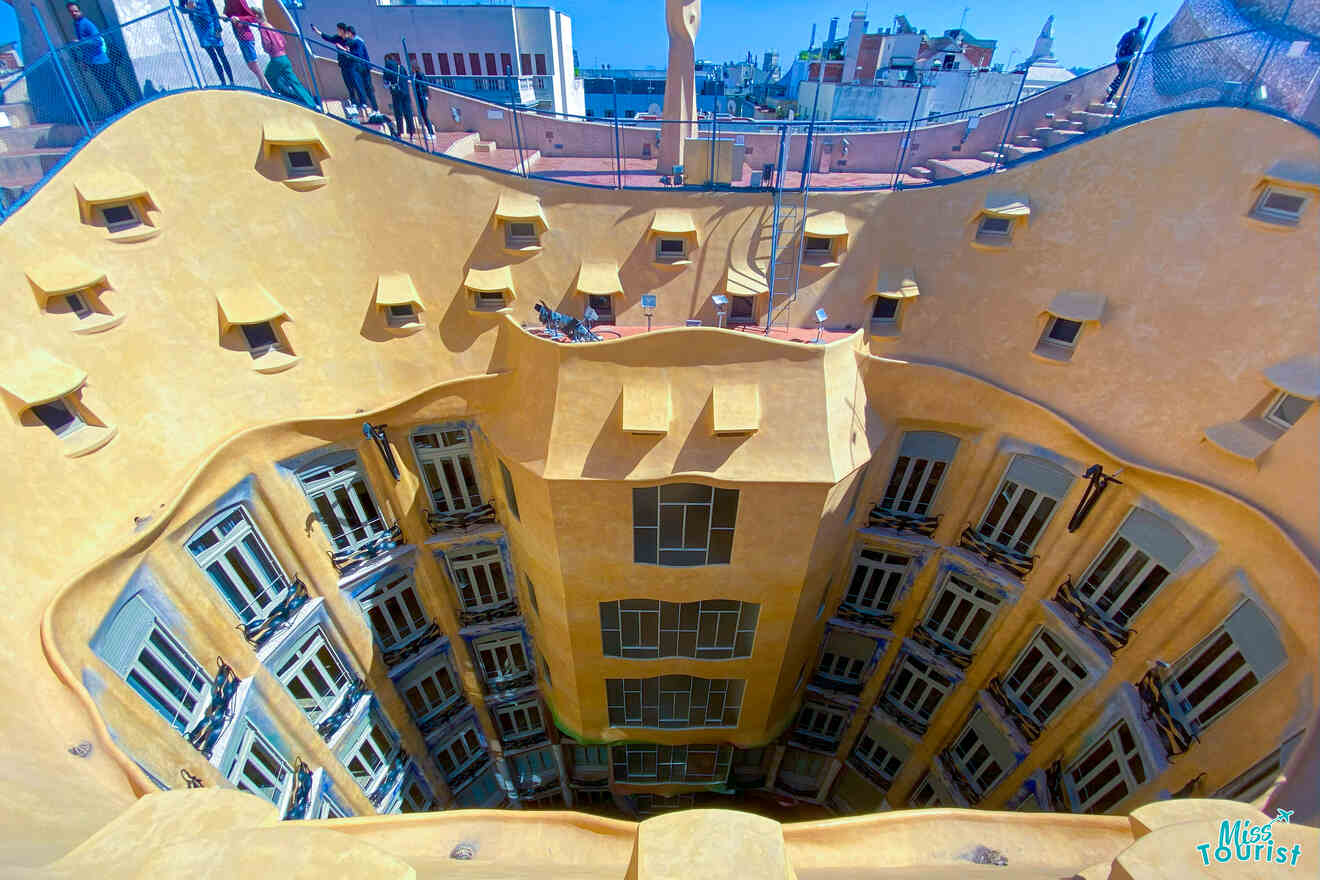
{"points": [[1053, 131], [29, 149]]}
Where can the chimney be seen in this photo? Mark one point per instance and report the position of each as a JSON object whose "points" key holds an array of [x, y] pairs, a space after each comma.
{"points": [[834, 29]]}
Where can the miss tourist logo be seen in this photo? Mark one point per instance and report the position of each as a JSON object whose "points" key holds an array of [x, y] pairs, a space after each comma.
{"points": [[1241, 841]]}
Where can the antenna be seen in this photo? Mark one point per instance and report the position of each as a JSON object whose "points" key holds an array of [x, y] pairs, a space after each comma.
{"points": [[961, 24]]}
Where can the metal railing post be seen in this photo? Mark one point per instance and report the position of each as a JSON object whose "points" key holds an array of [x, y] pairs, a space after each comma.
{"points": [[1265, 57], [311, 69], [183, 44], [78, 110], [517, 134], [907, 133], [618, 155], [1135, 69], [1008, 128]]}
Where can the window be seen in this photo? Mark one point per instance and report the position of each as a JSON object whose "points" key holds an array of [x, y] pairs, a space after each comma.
{"points": [[139, 647], [1024, 503], [1133, 566], [531, 595], [670, 248], [491, 67], [683, 524], [314, 675], [400, 316], [820, 722], [300, 163], [994, 230], [478, 576], [519, 235], [540, 64], [258, 768], [444, 456], [845, 655], [691, 764], [1226, 666], [1286, 410], [428, 65], [519, 719], [817, 246], [961, 613], [880, 751], [1061, 331], [429, 689], [924, 794], [459, 751], [801, 771], [603, 306], [118, 217], [885, 310], [916, 688], [674, 701], [534, 768], [235, 557], [58, 416], [509, 496], [525, 61], [478, 792], [442, 59], [923, 459], [489, 300], [474, 62], [261, 337], [501, 657], [394, 611], [648, 629], [742, 310], [876, 580], [460, 66], [77, 304], [326, 808], [371, 751], [1043, 677], [591, 756], [1108, 772], [337, 491], [1277, 205], [982, 754], [1260, 776], [416, 797]]}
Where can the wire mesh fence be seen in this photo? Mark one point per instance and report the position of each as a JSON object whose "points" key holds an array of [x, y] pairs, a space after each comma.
{"points": [[506, 122]]}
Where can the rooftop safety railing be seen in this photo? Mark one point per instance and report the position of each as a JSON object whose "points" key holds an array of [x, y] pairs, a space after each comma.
{"points": [[507, 122]]}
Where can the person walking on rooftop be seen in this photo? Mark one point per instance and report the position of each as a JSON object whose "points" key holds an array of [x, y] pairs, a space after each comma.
{"points": [[362, 64], [91, 50], [279, 71], [240, 17], [422, 89], [397, 80], [206, 24], [347, 63], [1128, 47]]}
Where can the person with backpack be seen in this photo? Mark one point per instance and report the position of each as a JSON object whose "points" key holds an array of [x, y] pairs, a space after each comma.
{"points": [[206, 24], [422, 89], [397, 81], [347, 64], [362, 65], [1128, 47]]}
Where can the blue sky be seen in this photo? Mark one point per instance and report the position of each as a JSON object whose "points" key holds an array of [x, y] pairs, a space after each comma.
{"points": [[633, 35]]}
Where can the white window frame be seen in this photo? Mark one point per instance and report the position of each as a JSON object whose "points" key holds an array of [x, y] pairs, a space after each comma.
{"points": [[923, 678], [839, 666], [971, 757], [693, 512], [822, 721], [703, 635], [75, 424], [520, 766], [1113, 768], [1047, 336], [342, 475], [414, 682], [1045, 656], [661, 254], [916, 480], [327, 808], [474, 753], [492, 644], [877, 583], [676, 698], [408, 799], [669, 764], [402, 623], [1274, 215], [581, 754], [1257, 779], [987, 235], [259, 595], [924, 793], [969, 598], [252, 740], [524, 717], [878, 756], [449, 469], [518, 238], [1116, 583], [304, 663], [120, 225], [1182, 692], [480, 571], [367, 749], [1271, 412], [1015, 492], [816, 250]]}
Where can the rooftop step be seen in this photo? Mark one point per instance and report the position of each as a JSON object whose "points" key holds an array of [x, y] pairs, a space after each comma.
{"points": [[19, 114], [461, 147], [991, 156], [28, 165], [1067, 125], [484, 147], [921, 171], [1102, 107], [31, 137], [1092, 121], [1039, 133], [947, 169], [1055, 136], [528, 163], [1026, 140], [1013, 151]]}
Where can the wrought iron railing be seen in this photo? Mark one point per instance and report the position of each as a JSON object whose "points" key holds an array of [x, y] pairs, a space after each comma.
{"points": [[600, 784], [442, 718], [924, 637], [864, 616], [1108, 633], [412, 647], [814, 740], [345, 561], [505, 610], [828, 683], [464, 774], [1025, 724], [387, 782], [1017, 564], [904, 522], [1054, 785], [207, 731], [258, 632], [332, 722], [964, 787], [302, 791], [536, 785], [460, 520], [797, 791], [1175, 736], [524, 739], [872, 775], [507, 683]]}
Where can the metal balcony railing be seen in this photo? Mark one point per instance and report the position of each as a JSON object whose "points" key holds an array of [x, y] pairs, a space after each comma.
{"points": [[258, 632], [461, 520], [924, 637], [302, 791], [413, 646], [1017, 564], [507, 609], [903, 522], [1025, 724], [1108, 633], [1175, 735], [345, 561], [332, 722], [207, 731]]}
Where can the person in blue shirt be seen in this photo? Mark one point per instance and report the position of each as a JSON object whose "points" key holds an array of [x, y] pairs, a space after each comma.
{"points": [[1128, 47], [206, 24], [359, 50], [91, 50], [347, 64]]}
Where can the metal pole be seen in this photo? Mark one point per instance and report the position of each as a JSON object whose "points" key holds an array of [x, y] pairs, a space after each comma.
{"points": [[1266, 56], [183, 43], [1012, 114], [618, 150], [307, 54], [62, 75], [815, 102], [517, 133], [907, 135]]}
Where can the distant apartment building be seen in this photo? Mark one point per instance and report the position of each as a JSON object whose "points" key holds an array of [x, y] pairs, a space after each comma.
{"points": [[479, 50], [631, 92]]}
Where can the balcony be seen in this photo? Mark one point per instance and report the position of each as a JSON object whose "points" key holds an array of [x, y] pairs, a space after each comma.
{"points": [[865, 616], [902, 719], [836, 685], [814, 741], [952, 773], [505, 610], [204, 734], [536, 786], [1108, 633], [801, 790], [468, 773], [349, 561], [924, 637], [1025, 724], [1175, 734], [441, 719], [903, 522], [525, 739], [332, 722], [869, 773], [393, 776], [505, 683], [601, 784], [258, 632], [302, 791], [1017, 564], [460, 521], [412, 647]]}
